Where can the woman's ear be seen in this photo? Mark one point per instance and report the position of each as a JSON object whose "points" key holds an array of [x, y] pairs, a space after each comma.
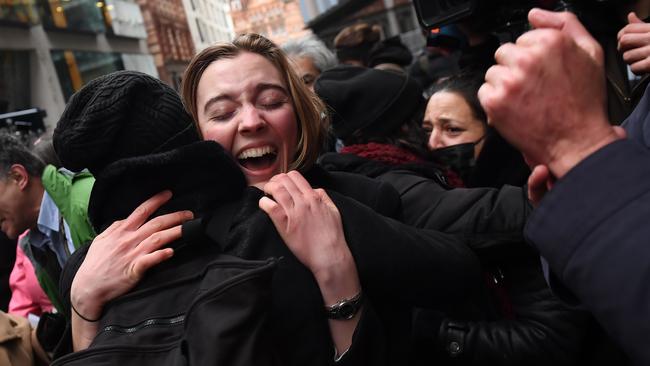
{"points": [[19, 175]]}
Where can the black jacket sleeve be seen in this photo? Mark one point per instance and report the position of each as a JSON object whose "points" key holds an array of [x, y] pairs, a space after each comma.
{"points": [[405, 265], [483, 217], [401, 267], [599, 213], [540, 331]]}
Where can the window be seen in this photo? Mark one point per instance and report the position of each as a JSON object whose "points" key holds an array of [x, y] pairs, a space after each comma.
{"points": [[79, 15], [76, 68], [20, 14], [14, 81]]}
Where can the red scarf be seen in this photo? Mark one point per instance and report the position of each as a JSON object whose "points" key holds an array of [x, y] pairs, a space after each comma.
{"points": [[385, 153], [394, 155]]}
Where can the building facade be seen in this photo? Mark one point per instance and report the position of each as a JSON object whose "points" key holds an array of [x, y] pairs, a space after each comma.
{"points": [[278, 20], [209, 22], [168, 37], [49, 49]]}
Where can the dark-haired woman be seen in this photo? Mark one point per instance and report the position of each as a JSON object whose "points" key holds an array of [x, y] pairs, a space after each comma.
{"points": [[460, 138]]}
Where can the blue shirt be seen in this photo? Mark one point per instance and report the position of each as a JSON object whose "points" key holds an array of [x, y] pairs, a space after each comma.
{"points": [[48, 231]]}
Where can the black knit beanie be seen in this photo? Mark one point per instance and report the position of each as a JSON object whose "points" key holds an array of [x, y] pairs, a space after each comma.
{"points": [[120, 115], [371, 100]]}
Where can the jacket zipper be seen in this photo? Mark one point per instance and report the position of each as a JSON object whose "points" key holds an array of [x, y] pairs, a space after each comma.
{"points": [[177, 320]]}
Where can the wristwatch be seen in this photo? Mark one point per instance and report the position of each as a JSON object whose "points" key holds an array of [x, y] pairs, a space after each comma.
{"points": [[345, 309]]}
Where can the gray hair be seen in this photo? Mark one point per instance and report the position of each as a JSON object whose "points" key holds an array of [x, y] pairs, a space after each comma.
{"points": [[13, 151], [313, 48]]}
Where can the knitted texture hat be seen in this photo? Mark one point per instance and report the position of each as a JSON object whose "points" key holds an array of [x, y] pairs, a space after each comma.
{"points": [[374, 101], [121, 115]]}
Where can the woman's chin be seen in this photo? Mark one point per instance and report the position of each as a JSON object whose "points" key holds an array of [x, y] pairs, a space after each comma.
{"points": [[259, 177]]}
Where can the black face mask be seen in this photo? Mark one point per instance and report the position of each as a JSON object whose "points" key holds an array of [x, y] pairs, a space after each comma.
{"points": [[459, 158]]}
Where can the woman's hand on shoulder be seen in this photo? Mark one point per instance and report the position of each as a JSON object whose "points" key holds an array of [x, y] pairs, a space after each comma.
{"points": [[119, 257], [311, 226], [307, 220]]}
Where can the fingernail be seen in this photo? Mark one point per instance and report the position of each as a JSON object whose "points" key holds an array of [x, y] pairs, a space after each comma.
{"points": [[189, 214]]}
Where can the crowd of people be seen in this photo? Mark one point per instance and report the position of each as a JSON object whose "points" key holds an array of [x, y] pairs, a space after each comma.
{"points": [[296, 206]]}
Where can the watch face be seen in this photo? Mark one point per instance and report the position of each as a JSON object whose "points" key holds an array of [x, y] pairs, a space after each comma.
{"points": [[346, 311]]}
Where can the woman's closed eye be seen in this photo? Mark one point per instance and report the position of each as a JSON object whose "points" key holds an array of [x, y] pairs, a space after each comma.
{"points": [[222, 116], [270, 105], [271, 98]]}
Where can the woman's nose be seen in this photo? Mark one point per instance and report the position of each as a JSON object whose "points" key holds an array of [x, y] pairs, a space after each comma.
{"points": [[435, 141], [251, 121]]}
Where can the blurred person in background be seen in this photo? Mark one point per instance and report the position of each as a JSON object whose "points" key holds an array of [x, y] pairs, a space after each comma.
{"points": [[353, 43], [619, 28], [49, 206], [310, 56], [390, 54]]}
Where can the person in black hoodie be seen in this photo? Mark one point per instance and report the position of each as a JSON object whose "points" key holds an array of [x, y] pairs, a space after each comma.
{"points": [[390, 274], [519, 321]]}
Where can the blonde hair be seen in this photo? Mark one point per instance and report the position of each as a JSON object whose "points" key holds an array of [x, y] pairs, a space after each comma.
{"points": [[307, 106]]}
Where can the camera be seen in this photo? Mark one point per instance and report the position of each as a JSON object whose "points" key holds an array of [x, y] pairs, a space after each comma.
{"points": [[493, 15]]}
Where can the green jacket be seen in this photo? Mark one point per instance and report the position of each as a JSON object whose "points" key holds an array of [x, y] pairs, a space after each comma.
{"points": [[71, 194]]}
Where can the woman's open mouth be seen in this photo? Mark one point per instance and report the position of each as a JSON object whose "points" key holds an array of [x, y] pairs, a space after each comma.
{"points": [[258, 158]]}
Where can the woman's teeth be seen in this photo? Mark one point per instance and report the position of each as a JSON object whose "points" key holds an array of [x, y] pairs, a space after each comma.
{"points": [[255, 152]]}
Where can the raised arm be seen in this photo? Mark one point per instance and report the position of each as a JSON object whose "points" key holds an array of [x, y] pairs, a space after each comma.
{"points": [[116, 261], [311, 226]]}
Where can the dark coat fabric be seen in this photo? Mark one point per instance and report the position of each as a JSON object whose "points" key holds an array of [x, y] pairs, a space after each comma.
{"points": [[484, 217], [599, 212], [518, 321], [7, 259], [396, 263], [498, 164]]}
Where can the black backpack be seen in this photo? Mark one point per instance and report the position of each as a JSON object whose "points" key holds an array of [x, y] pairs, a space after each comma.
{"points": [[201, 307]]}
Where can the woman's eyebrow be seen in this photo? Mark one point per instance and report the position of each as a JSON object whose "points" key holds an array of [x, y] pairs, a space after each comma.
{"points": [[258, 89], [264, 86], [214, 100]]}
